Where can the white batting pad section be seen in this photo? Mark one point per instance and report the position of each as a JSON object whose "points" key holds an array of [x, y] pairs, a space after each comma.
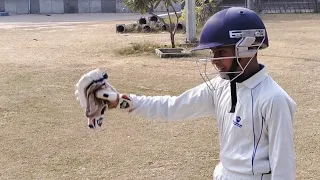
{"points": [[95, 6], [89, 6], [22, 6], [57, 6], [45, 6], [84, 6], [10, 6]]}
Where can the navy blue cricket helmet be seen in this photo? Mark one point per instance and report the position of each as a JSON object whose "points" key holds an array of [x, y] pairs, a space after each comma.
{"points": [[216, 31]]}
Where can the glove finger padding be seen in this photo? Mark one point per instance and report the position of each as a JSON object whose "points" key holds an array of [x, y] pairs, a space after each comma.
{"points": [[94, 76], [95, 106], [86, 88], [111, 96]]}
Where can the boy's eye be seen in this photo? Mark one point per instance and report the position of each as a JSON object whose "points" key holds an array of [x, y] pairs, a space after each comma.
{"points": [[221, 53]]}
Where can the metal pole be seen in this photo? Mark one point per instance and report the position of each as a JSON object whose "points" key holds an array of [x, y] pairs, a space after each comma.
{"points": [[249, 4], [191, 21], [29, 7]]}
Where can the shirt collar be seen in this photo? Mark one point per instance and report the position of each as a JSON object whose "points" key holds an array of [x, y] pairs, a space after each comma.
{"points": [[254, 80]]}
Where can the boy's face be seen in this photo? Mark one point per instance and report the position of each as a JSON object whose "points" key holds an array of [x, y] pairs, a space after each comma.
{"points": [[223, 66]]}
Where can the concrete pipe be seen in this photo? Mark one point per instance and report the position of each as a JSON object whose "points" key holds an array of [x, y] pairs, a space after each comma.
{"points": [[164, 27], [142, 20], [153, 19], [146, 28], [157, 25], [180, 26], [120, 28]]}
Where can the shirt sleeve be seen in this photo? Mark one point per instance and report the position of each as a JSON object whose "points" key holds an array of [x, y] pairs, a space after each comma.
{"points": [[280, 131], [193, 103]]}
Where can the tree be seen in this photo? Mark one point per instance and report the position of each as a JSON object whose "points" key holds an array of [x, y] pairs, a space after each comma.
{"points": [[148, 6], [205, 9]]}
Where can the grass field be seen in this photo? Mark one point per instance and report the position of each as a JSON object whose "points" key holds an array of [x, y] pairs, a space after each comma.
{"points": [[44, 134]]}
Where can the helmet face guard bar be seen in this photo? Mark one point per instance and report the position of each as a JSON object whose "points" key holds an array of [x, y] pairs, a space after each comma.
{"points": [[246, 47]]}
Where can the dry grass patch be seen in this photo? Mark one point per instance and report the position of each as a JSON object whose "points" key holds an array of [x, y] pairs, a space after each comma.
{"points": [[140, 49], [43, 132]]}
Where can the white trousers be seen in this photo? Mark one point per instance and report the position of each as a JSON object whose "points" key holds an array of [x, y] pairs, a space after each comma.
{"points": [[220, 173]]}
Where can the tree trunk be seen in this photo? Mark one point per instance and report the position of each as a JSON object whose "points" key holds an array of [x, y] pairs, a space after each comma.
{"points": [[173, 45], [171, 30]]}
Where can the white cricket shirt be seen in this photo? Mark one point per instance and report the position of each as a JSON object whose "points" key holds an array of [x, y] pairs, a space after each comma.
{"points": [[256, 139]]}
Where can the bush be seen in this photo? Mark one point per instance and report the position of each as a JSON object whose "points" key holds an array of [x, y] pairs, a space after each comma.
{"points": [[204, 10]]}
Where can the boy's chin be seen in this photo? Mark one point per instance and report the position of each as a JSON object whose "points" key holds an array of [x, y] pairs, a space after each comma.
{"points": [[224, 76]]}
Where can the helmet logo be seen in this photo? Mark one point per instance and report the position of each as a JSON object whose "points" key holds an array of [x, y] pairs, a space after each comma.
{"points": [[247, 33]]}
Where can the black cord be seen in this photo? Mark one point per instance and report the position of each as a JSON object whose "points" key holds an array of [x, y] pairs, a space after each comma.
{"points": [[233, 86]]}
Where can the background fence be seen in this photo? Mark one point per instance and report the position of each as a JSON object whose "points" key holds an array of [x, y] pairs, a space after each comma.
{"points": [[271, 6], [286, 6]]}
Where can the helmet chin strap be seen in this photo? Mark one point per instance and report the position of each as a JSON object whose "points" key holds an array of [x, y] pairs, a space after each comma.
{"points": [[233, 85]]}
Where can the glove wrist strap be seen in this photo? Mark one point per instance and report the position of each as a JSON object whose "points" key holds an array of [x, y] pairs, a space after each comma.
{"points": [[125, 102]]}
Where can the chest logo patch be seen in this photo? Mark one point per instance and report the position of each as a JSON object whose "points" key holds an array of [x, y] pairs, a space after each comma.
{"points": [[237, 122]]}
